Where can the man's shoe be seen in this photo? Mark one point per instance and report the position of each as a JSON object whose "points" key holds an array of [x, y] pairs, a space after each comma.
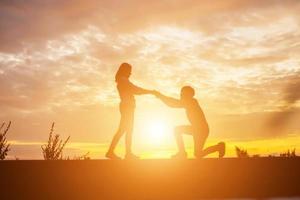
{"points": [[222, 148]]}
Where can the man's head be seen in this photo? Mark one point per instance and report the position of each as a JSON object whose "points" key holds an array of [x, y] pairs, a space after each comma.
{"points": [[187, 92]]}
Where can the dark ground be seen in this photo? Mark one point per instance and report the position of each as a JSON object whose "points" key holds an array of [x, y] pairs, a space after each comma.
{"points": [[150, 179]]}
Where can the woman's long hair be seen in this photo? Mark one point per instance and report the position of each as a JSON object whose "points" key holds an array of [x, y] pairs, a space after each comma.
{"points": [[123, 71]]}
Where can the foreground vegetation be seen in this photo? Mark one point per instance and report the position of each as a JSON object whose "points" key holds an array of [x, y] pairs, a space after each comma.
{"points": [[53, 150], [243, 153], [4, 145]]}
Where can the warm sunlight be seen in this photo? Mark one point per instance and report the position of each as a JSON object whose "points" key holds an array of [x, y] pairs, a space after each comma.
{"points": [[140, 99], [158, 131]]}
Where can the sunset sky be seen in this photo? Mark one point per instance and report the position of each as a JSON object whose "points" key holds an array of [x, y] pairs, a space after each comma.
{"points": [[58, 59]]}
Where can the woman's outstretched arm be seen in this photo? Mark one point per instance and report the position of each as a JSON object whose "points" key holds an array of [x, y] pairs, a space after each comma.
{"points": [[139, 90]]}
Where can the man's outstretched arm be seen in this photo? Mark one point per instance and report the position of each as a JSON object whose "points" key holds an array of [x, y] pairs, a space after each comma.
{"points": [[169, 101]]}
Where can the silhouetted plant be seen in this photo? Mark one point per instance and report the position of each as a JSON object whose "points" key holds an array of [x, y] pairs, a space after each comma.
{"points": [[83, 157], [53, 150], [4, 146], [241, 153], [289, 154]]}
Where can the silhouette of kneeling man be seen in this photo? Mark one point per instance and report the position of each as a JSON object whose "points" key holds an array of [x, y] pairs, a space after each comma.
{"points": [[198, 128]]}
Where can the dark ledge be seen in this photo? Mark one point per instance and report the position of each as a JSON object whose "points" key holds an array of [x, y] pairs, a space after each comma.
{"points": [[150, 179]]}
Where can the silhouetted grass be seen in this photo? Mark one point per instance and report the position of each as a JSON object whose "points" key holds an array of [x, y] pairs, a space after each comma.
{"points": [[241, 153], [82, 157], [53, 150], [289, 154], [4, 146]]}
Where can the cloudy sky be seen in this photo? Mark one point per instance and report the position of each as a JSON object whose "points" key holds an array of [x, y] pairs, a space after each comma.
{"points": [[58, 60]]}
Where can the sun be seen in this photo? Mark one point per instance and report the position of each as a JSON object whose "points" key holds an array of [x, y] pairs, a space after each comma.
{"points": [[157, 131]]}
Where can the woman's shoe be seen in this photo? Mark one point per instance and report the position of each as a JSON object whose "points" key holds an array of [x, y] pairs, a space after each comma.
{"points": [[131, 156], [112, 156]]}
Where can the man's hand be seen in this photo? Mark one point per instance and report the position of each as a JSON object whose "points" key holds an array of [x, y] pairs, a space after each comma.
{"points": [[169, 101]]}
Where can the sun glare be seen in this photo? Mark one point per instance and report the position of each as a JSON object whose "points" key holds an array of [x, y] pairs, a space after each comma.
{"points": [[157, 131]]}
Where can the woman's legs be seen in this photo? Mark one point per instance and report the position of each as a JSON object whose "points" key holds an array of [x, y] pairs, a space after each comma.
{"points": [[126, 125], [128, 136], [120, 132], [115, 140], [128, 140]]}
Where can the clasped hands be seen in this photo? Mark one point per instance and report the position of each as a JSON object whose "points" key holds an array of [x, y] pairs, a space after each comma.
{"points": [[155, 93]]}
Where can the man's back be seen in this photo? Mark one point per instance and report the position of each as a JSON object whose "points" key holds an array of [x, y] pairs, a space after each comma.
{"points": [[195, 113]]}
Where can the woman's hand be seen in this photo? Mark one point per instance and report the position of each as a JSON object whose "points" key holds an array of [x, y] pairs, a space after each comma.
{"points": [[156, 93]]}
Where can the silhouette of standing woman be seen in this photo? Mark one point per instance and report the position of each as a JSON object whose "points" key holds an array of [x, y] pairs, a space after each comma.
{"points": [[126, 90]]}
